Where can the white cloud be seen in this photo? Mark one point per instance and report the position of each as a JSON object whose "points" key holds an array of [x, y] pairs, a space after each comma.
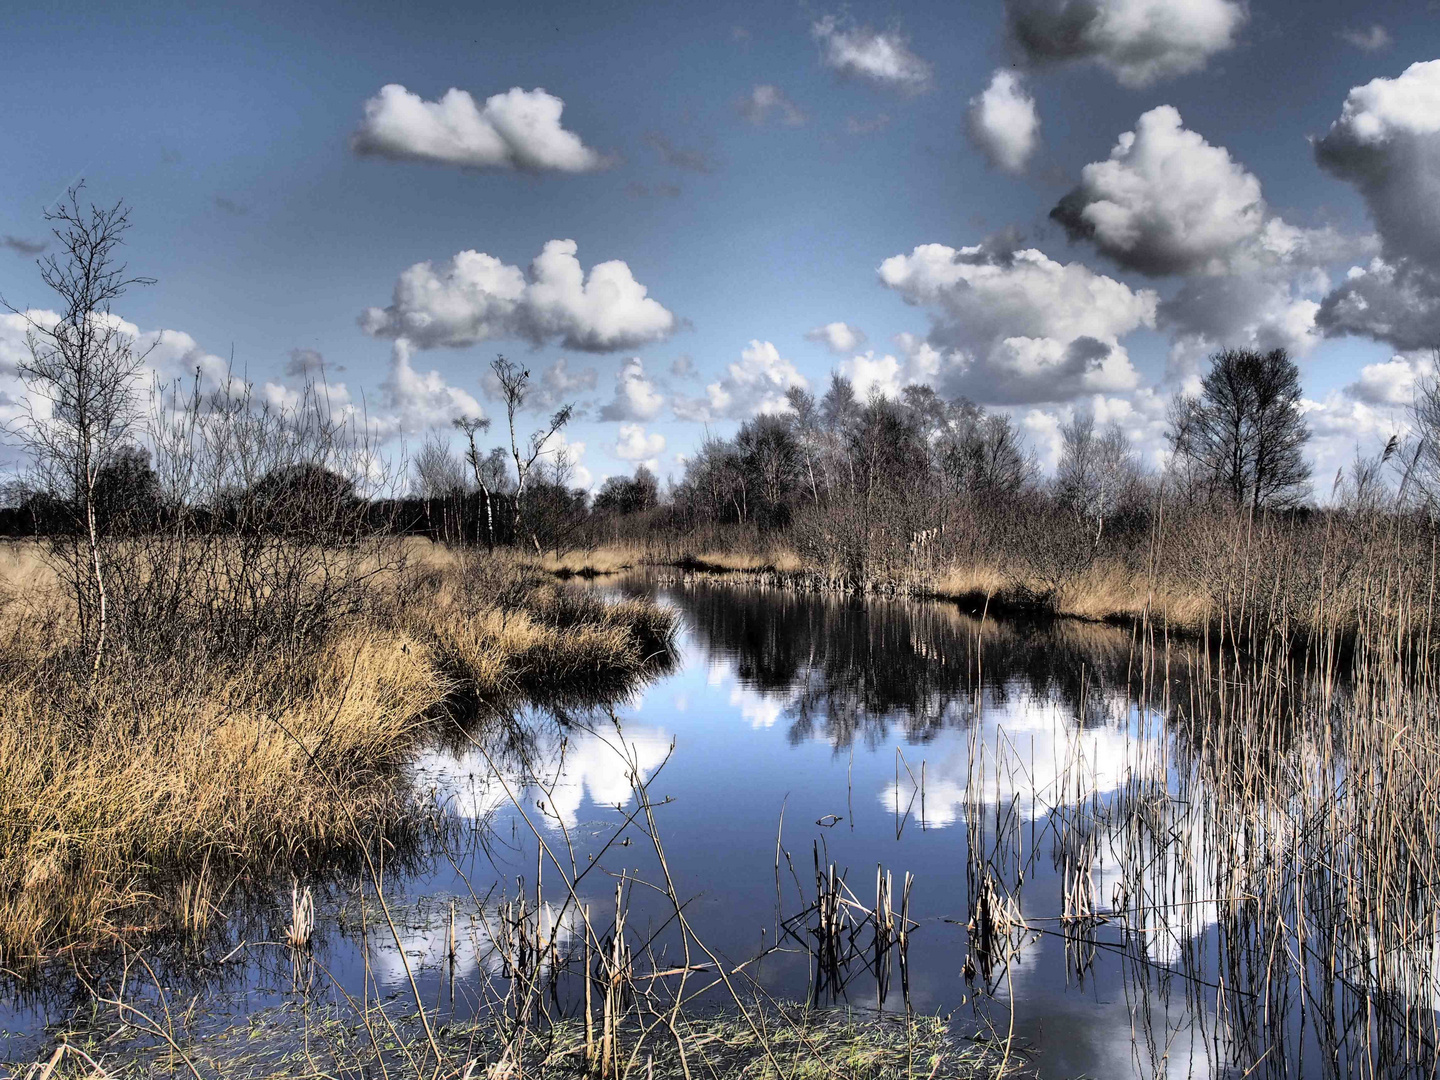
{"points": [[1340, 425], [519, 129], [475, 297], [880, 57], [1392, 382], [869, 374], [635, 396], [1387, 143], [765, 99], [1168, 202], [1004, 123], [840, 338], [756, 384], [888, 375], [1138, 41], [1015, 326], [1373, 39], [416, 401], [559, 443], [1141, 415], [1260, 310], [634, 444]]}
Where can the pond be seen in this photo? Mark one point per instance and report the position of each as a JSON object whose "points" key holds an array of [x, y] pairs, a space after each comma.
{"points": [[1017, 814]]}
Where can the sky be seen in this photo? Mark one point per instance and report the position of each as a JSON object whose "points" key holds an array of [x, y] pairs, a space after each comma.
{"points": [[670, 214]]}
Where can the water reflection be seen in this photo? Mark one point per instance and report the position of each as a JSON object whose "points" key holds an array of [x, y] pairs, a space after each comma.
{"points": [[1088, 880], [558, 764]]}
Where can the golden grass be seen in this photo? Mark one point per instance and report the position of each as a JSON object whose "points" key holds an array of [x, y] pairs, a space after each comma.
{"points": [[618, 558], [962, 582], [125, 806], [608, 559]]}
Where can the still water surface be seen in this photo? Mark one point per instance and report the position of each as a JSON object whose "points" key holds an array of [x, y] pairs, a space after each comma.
{"points": [[797, 728]]}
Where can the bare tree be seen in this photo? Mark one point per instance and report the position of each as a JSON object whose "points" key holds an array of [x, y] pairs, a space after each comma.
{"points": [[514, 384], [470, 425], [438, 473], [81, 373], [805, 419], [1245, 435], [1097, 474]]}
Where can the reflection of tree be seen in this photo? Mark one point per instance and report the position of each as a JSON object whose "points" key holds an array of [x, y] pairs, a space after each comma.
{"points": [[856, 669]]}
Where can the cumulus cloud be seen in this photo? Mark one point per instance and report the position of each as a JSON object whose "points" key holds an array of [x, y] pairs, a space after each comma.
{"points": [[1138, 41], [416, 401], [519, 129], [1168, 202], [634, 444], [1387, 143], [881, 57], [635, 396], [1373, 39], [559, 386], [755, 384], [1004, 123], [556, 386], [475, 297], [13, 326], [1263, 310], [764, 100], [840, 338], [888, 374], [1395, 302], [1341, 425], [1393, 381], [1015, 326]]}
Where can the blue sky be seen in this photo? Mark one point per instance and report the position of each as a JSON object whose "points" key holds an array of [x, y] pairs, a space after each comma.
{"points": [[753, 166]]}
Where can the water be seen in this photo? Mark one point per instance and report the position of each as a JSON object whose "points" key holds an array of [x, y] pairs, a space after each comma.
{"points": [[795, 729]]}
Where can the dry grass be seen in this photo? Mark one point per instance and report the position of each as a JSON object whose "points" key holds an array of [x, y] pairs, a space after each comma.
{"points": [[124, 805], [617, 558], [593, 562]]}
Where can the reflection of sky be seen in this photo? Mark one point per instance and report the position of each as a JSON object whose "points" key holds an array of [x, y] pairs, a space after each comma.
{"points": [[590, 762], [425, 942], [759, 710], [1021, 752]]}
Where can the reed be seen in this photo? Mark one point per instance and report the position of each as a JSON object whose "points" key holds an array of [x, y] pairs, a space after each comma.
{"points": [[123, 801]]}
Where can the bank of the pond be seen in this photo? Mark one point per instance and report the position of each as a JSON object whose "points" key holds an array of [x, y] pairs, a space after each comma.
{"points": [[136, 802], [1102, 593], [764, 1042]]}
